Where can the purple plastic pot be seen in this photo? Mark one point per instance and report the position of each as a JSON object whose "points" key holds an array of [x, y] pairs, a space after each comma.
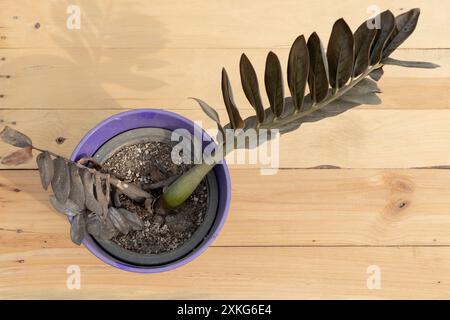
{"points": [[149, 118]]}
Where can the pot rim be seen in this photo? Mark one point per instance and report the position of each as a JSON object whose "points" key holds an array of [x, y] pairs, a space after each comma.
{"points": [[99, 252]]}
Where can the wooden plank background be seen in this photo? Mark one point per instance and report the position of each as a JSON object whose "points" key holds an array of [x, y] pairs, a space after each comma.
{"points": [[302, 233]]}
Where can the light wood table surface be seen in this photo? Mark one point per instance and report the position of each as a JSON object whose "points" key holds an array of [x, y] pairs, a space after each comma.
{"points": [[302, 233]]}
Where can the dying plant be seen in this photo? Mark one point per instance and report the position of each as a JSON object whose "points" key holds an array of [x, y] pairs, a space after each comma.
{"points": [[341, 78]]}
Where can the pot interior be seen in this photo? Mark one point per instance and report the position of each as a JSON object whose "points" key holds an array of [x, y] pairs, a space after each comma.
{"points": [[202, 233]]}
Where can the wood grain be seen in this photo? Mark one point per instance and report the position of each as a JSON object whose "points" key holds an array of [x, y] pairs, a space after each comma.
{"points": [[306, 208], [91, 78], [357, 138], [200, 24], [237, 273], [302, 233]]}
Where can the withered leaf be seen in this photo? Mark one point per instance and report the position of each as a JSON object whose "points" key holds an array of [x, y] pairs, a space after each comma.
{"points": [[387, 25], [61, 180], [118, 220], [15, 138], [101, 196], [405, 24], [100, 228], [132, 218], [45, 165], [91, 202], [250, 85], [76, 186], [340, 54], [130, 190], [273, 79], [18, 157], [116, 198], [227, 93], [364, 37], [93, 225], [318, 70], [78, 229], [69, 208], [297, 72]]}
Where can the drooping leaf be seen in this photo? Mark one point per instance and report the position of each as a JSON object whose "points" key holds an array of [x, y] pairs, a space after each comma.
{"points": [[273, 79], [68, 208], [340, 54], [118, 220], [364, 38], [387, 25], [15, 138], [18, 157], [132, 218], [227, 93], [78, 229], [61, 180], [249, 82], [45, 165], [116, 198], [318, 69], [76, 186], [410, 64], [100, 228], [297, 72], [376, 74], [100, 193], [93, 225], [405, 24], [91, 202], [211, 113]]}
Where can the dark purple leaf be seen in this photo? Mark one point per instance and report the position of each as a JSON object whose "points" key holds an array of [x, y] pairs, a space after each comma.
{"points": [[273, 79], [405, 24], [250, 85], [387, 25], [227, 93], [297, 72], [318, 69], [364, 38], [340, 54]]}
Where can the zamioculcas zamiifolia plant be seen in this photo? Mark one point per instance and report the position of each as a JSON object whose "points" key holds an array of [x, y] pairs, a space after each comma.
{"points": [[341, 78]]}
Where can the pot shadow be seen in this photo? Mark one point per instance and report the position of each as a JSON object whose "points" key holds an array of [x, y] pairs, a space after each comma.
{"points": [[98, 66]]}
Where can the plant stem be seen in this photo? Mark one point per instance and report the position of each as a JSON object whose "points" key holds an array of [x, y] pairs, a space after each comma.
{"points": [[339, 93], [183, 187], [129, 189]]}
